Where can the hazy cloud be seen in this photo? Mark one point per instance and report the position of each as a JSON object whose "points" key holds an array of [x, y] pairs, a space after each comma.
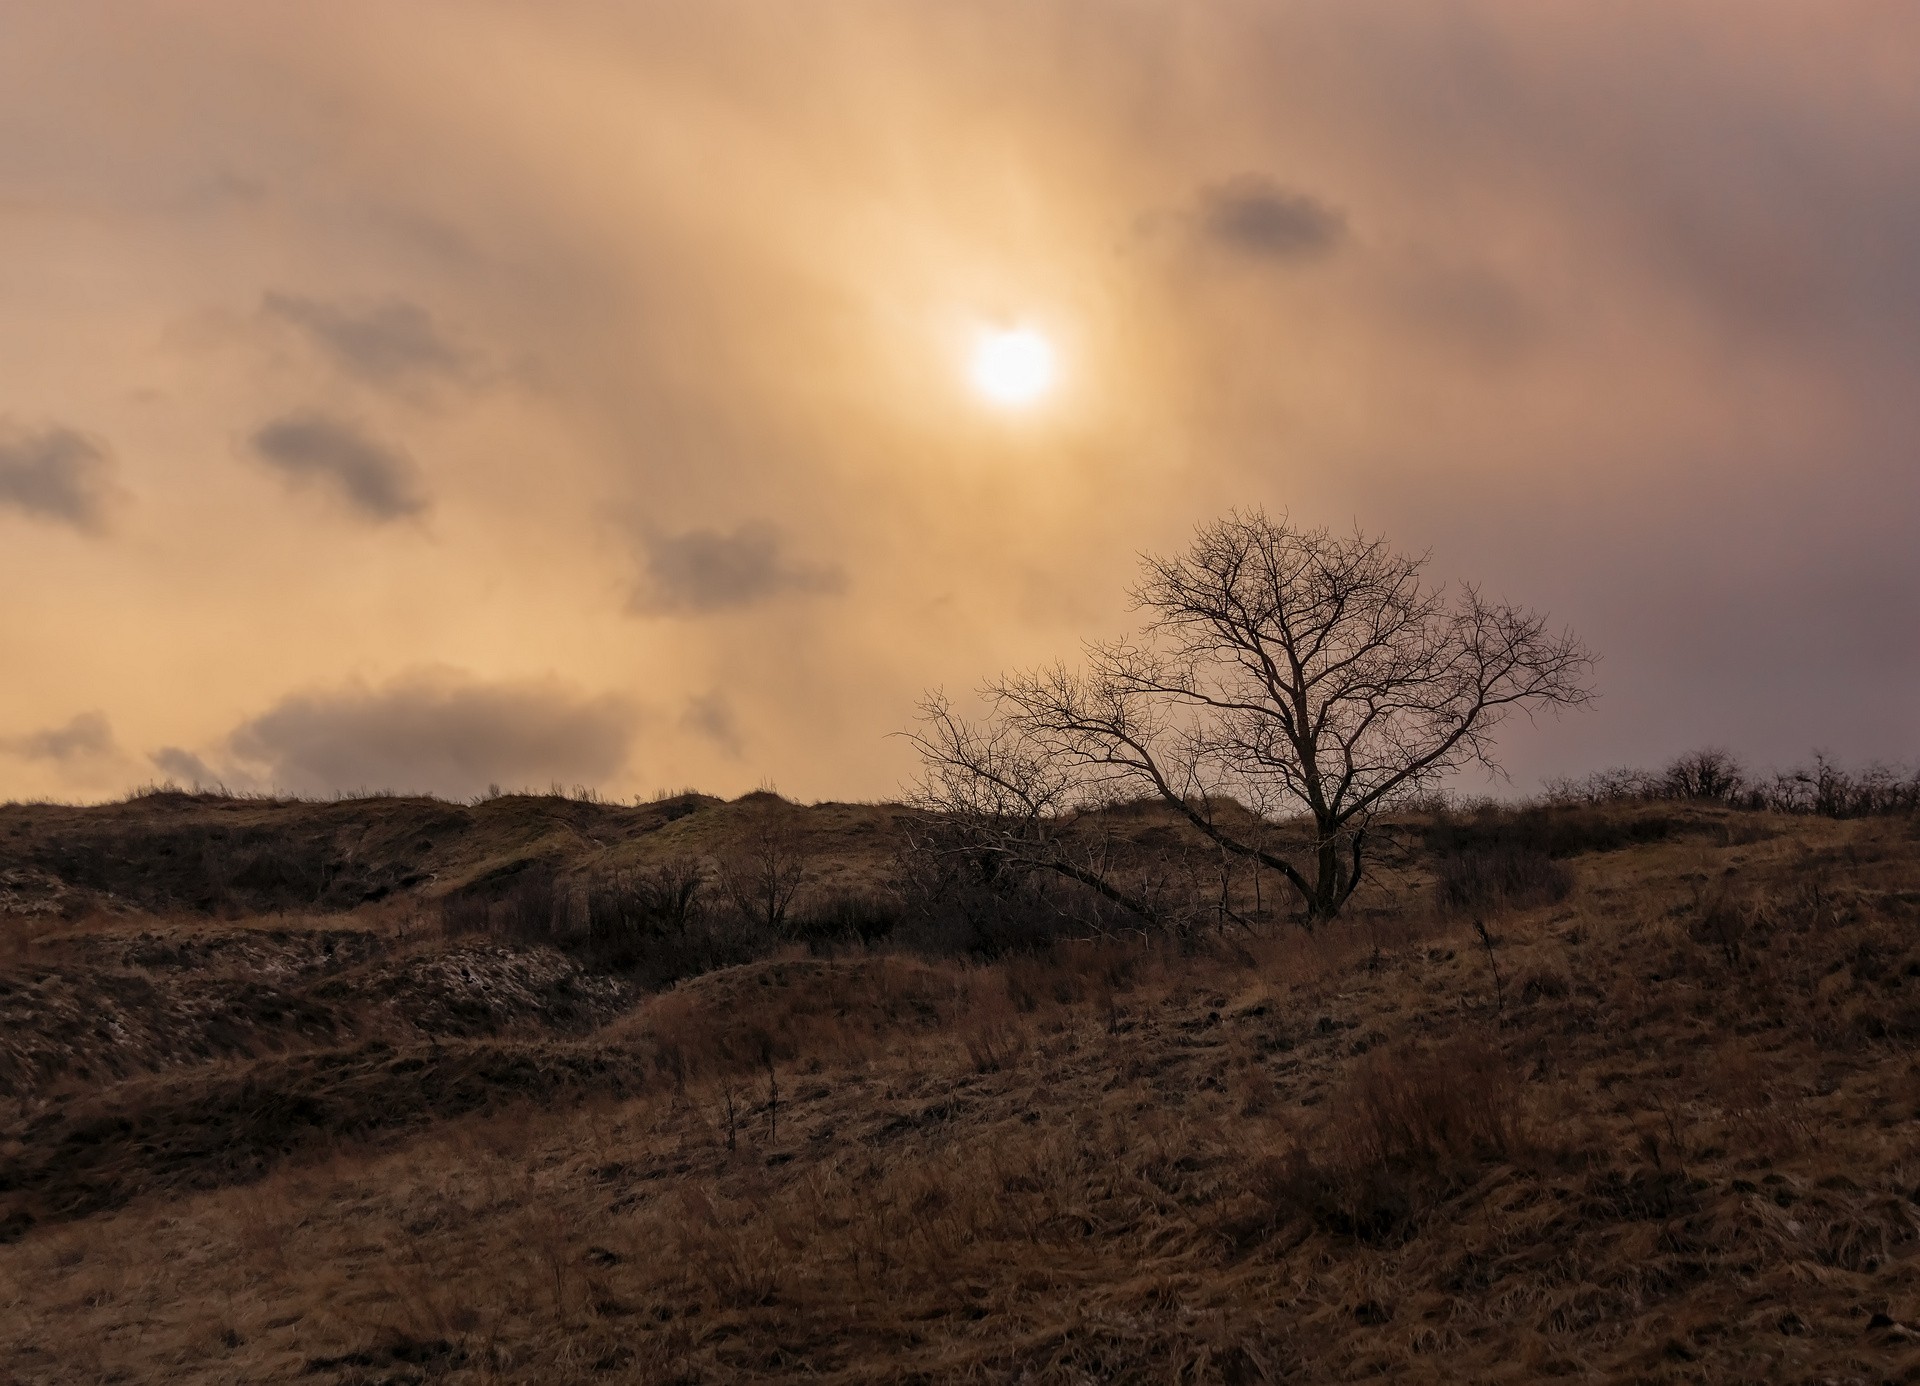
{"points": [[88, 734], [1257, 216], [1619, 316], [391, 343], [377, 481], [184, 767], [703, 570], [438, 731], [711, 715], [56, 474], [1471, 308]]}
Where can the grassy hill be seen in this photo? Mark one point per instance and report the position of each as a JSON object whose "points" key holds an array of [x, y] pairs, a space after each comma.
{"points": [[264, 1115], [209, 853]]}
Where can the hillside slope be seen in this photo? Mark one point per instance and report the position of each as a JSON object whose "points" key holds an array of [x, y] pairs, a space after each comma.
{"points": [[224, 855], [1664, 1128]]}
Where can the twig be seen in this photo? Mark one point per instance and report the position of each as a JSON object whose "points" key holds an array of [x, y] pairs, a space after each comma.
{"points": [[1499, 987]]}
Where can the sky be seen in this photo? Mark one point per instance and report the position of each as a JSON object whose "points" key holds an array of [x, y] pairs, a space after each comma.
{"points": [[430, 396]]}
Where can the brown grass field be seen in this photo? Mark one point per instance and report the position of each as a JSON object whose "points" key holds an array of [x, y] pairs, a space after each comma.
{"points": [[263, 1119]]}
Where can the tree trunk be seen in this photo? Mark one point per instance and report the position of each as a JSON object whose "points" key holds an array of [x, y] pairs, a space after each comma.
{"points": [[1326, 881]]}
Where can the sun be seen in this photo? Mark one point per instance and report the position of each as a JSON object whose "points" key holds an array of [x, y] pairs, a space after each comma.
{"points": [[1012, 367]]}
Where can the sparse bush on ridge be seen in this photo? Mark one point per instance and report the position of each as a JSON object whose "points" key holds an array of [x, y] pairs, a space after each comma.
{"points": [[1549, 830], [1821, 789]]}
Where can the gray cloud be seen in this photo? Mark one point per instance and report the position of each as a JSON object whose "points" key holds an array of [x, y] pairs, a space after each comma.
{"points": [[390, 344], [184, 767], [703, 570], [377, 481], [56, 474], [88, 734], [711, 715], [437, 731], [1257, 216]]}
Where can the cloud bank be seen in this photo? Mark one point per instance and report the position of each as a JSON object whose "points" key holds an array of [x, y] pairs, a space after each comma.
{"points": [[436, 731]]}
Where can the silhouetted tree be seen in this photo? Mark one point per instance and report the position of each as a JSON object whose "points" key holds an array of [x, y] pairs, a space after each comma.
{"points": [[1706, 774], [1282, 670], [764, 870]]}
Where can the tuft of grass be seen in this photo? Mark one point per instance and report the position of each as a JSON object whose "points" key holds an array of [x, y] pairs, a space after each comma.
{"points": [[1430, 1110]]}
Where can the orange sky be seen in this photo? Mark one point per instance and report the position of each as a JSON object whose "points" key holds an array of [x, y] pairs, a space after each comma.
{"points": [[422, 396]]}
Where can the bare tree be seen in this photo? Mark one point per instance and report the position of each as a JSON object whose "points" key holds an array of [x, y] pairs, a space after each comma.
{"points": [[1710, 773], [1278, 670], [764, 870]]}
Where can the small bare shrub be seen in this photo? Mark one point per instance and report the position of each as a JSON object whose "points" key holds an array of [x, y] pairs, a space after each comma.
{"points": [[1711, 774], [955, 905], [534, 910], [1723, 922], [1504, 876], [528, 907], [845, 918], [1560, 827], [463, 913], [1410, 1125], [639, 913]]}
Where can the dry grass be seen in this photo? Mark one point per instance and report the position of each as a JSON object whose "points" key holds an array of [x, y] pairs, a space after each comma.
{"points": [[1678, 1147]]}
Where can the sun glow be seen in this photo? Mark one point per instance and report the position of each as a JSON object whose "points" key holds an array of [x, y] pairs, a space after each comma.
{"points": [[1012, 367]]}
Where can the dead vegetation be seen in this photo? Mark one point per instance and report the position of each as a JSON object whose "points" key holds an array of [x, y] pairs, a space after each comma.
{"points": [[1675, 1144]]}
